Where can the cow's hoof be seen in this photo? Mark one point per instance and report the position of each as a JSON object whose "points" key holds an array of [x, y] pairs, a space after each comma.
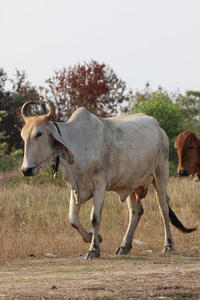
{"points": [[122, 250], [92, 254], [168, 248]]}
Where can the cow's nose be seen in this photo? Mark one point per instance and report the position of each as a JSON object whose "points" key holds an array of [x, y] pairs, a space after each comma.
{"points": [[183, 173], [27, 171]]}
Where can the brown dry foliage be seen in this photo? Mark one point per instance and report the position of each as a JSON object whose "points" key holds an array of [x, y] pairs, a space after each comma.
{"points": [[91, 85]]}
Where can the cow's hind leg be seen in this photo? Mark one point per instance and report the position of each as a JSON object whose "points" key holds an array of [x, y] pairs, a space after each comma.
{"points": [[74, 209], [135, 213], [160, 186]]}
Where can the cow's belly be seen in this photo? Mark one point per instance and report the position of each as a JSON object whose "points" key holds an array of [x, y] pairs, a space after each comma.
{"points": [[129, 177], [139, 187]]}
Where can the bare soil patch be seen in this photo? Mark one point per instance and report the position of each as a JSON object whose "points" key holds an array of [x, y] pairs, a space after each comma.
{"points": [[136, 276]]}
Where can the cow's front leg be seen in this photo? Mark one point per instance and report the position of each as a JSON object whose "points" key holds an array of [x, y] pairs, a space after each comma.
{"points": [[98, 200], [74, 209], [135, 213]]}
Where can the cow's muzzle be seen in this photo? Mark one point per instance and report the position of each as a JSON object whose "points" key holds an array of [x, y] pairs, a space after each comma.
{"points": [[27, 172], [183, 173]]}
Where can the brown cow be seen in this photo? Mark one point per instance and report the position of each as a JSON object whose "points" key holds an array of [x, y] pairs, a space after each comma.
{"points": [[188, 148]]}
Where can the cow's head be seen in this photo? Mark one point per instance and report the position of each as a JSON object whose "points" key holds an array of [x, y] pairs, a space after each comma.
{"points": [[42, 141], [188, 148]]}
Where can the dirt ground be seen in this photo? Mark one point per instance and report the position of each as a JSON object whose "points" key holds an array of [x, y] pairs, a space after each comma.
{"points": [[136, 276]]}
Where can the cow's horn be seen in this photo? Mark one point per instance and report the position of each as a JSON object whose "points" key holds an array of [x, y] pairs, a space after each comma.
{"points": [[51, 113], [24, 112]]}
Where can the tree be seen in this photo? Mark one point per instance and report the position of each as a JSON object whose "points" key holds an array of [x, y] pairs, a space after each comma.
{"points": [[168, 114], [11, 102], [93, 86], [7, 161], [190, 107], [3, 145]]}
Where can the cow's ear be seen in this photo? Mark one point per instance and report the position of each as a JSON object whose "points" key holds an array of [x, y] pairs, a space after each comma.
{"points": [[175, 144], [198, 147], [60, 148], [176, 141]]}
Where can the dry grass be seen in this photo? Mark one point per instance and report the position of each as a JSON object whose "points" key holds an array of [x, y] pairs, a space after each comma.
{"points": [[34, 220]]}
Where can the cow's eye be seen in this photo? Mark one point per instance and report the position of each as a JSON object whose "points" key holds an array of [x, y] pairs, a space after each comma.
{"points": [[38, 134], [192, 147]]}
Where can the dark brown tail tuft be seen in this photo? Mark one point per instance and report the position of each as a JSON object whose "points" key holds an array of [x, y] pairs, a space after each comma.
{"points": [[175, 221]]}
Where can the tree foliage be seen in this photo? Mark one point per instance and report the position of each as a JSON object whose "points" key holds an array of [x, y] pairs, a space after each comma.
{"points": [[190, 108], [7, 161], [11, 102], [3, 144], [93, 86]]}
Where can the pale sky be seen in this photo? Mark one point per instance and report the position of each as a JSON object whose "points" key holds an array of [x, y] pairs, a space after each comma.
{"points": [[155, 41]]}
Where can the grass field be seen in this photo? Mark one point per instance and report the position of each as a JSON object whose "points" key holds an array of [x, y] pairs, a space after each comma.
{"points": [[34, 221]]}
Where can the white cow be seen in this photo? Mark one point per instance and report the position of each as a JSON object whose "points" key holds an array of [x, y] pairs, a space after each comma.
{"points": [[124, 154]]}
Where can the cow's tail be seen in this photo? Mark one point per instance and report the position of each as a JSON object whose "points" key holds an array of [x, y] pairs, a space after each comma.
{"points": [[175, 221]]}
